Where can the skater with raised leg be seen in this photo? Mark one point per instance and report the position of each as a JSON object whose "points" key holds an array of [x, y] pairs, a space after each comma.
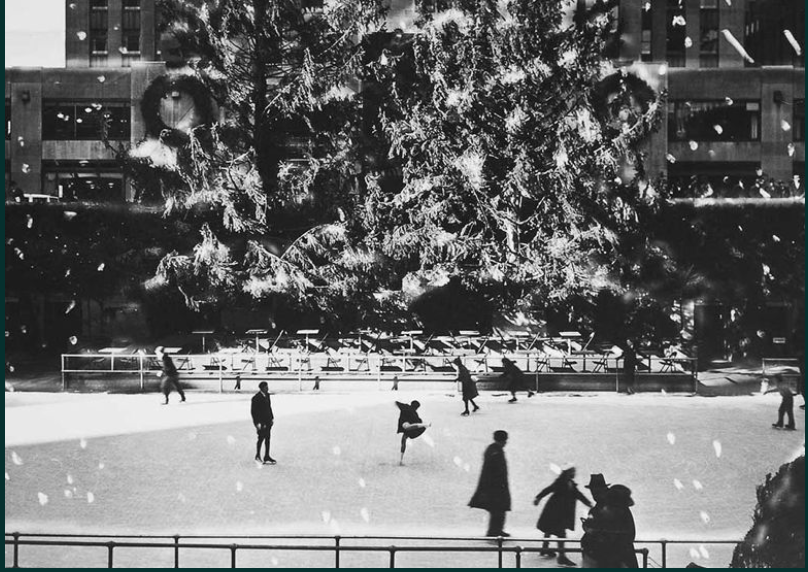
{"points": [[467, 384], [410, 424]]}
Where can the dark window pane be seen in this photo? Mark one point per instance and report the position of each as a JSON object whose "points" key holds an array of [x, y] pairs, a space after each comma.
{"points": [[131, 20], [799, 120], [709, 32], [99, 3], [98, 43], [98, 20], [720, 120], [714, 179], [676, 33], [131, 4], [131, 42], [117, 119], [8, 121], [58, 121]]}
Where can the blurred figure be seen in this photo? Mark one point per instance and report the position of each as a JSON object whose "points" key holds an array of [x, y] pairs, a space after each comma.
{"points": [[170, 377], [468, 385], [786, 404], [493, 493], [609, 532], [263, 418], [558, 515], [629, 367], [410, 424], [598, 487], [515, 378]]}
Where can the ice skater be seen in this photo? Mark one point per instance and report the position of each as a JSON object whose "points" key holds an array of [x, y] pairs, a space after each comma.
{"points": [[169, 378], [593, 544], [786, 404], [410, 424], [629, 367], [558, 515], [515, 378], [263, 419], [467, 384], [493, 493]]}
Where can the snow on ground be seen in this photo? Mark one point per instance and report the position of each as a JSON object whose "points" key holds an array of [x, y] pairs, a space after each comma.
{"points": [[125, 464]]}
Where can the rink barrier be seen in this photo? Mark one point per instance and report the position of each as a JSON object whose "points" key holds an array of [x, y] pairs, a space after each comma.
{"points": [[296, 365], [176, 542]]}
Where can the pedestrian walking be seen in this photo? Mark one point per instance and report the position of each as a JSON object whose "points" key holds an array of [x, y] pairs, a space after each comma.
{"points": [[598, 487], [493, 493], [786, 408], [558, 515], [410, 424], [515, 378], [629, 367], [170, 377], [467, 385], [263, 419]]}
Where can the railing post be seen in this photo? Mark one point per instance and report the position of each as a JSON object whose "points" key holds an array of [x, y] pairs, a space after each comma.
{"points": [[233, 548], [392, 557], [110, 547], [64, 376], [221, 382], [664, 544], [518, 556], [336, 552], [140, 366], [176, 551], [499, 554], [15, 563], [645, 558]]}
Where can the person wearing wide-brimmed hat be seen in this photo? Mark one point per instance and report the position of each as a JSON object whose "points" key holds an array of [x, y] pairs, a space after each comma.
{"points": [[590, 541], [558, 515]]}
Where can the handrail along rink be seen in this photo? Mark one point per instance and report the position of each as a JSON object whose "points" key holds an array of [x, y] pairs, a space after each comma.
{"points": [[509, 553]]}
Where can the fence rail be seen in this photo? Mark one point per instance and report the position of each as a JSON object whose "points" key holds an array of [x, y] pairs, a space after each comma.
{"points": [[371, 366], [385, 544]]}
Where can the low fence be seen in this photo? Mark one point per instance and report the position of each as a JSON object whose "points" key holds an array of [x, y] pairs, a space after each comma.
{"points": [[509, 552], [364, 366]]}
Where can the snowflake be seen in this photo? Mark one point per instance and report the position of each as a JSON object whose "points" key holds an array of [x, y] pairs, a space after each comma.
{"points": [[365, 514], [81, 35], [326, 516], [697, 485], [239, 486], [83, 443], [231, 440], [678, 484], [73, 340], [785, 125], [362, 483], [671, 438], [705, 518], [43, 498], [336, 450], [90, 497], [693, 145], [15, 458], [716, 443]]}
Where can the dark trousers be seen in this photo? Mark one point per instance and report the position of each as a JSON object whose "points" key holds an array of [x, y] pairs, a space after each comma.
{"points": [[496, 522], [169, 382], [263, 437], [629, 383], [783, 411]]}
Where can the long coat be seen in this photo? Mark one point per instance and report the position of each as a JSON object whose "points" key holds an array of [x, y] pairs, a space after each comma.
{"points": [[514, 376], [559, 512], [609, 537], [466, 382], [493, 493], [261, 409]]}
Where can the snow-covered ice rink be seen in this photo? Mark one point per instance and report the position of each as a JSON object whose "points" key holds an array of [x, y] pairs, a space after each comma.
{"points": [[124, 464]]}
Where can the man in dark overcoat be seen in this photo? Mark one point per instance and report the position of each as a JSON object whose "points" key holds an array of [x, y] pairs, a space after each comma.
{"points": [[493, 493], [263, 419]]}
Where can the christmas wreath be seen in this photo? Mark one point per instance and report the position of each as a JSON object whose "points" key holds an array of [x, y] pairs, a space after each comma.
{"points": [[158, 89], [629, 90]]}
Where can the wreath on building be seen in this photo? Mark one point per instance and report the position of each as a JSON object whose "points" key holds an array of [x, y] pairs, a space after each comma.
{"points": [[620, 96], [152, 99]]}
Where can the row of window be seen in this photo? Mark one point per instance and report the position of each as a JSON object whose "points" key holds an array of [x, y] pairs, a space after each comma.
{"points": [[85, 120], [725, 120], [99, 30]]}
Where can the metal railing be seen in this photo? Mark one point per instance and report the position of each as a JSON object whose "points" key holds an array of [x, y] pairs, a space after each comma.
{"points": [[302, 365], [323, 543]]}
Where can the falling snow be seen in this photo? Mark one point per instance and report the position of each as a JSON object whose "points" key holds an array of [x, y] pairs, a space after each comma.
{"points": [[365, 514], [678, 484], [15, 458], [716, 443], [43, 498], [697, 485], [671, 438], [83, 443], [90, 497], [705, 518]]}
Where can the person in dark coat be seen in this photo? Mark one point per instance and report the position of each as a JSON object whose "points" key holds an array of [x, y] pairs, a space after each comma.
{"points": [[493, 493], [410, 424], [263, 419], [558, 515], [610, 532], [629, 367], [598, 487], [786, 404], [515, 378], [467, 384], [170, 378]]}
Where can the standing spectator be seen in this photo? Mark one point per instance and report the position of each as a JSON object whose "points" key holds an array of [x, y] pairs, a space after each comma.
{"points": [[589, 542], [515, 378], [468, 385], [558, 515], [786, 404], [263, 419], [170, 378], [801, 380], [410, 424], [629, 367], [609, 532], [493, 493]]}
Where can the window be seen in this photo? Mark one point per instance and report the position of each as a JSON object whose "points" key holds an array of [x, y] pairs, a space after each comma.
{"points": [[714, 179], [718, 120], [85, 120], [799, 120], [708, 34], [98, 36], [96, 181], [647, 35], [676, 33]]}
